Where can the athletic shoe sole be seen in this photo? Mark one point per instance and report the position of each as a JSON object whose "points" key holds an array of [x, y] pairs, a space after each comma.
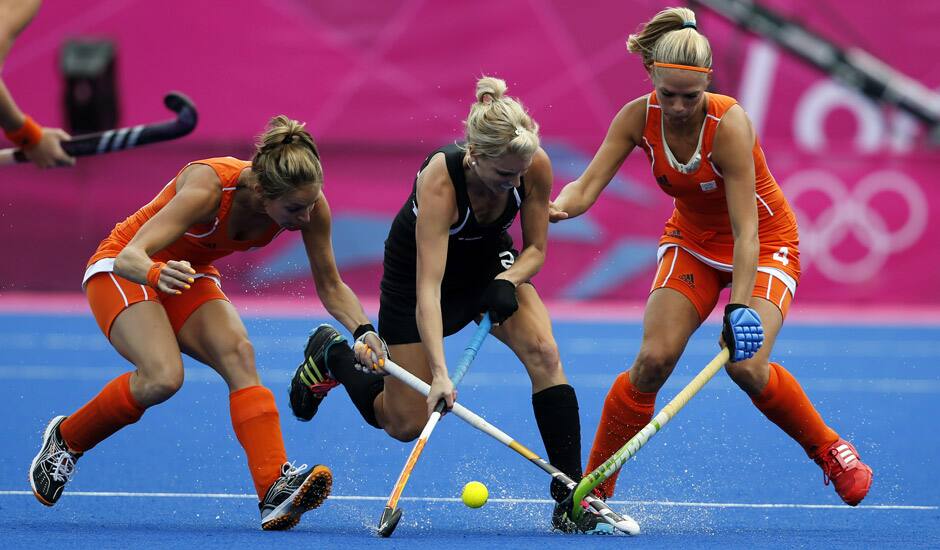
{"points": [[311, 494]]}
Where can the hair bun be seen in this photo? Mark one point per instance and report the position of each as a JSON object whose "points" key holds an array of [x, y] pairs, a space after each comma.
{"points": [[495, 88]]}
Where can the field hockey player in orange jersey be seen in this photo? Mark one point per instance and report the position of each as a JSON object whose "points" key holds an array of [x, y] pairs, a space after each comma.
{"points": [[155, 294], [731, 226]]}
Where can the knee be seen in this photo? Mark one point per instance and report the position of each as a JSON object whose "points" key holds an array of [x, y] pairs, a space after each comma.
{"points": [[404, 431], [750, 375], [237, 364], [541, 356], [159, 382], [653, 366]]}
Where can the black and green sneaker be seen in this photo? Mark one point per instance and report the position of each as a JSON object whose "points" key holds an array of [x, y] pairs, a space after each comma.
{"points": [[53, 466], [295, 492], [312, 380]]}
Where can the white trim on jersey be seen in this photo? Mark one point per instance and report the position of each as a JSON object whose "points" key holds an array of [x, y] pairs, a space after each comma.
{"points": [[106, 265], [463, 223], [695, 161], [215, 224]]}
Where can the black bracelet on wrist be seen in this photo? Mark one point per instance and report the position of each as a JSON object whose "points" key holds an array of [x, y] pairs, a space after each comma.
{"points": [[362, 329]]}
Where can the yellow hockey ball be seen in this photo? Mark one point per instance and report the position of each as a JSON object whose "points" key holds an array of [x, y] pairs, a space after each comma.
{"points": [[475, 494]]}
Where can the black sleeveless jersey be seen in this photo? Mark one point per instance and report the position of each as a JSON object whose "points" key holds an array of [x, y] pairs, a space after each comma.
{"points": [[471, 245]]}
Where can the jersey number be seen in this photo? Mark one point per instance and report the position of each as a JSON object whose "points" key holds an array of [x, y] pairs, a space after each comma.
{"points": [[506, 258], [781, 255]]}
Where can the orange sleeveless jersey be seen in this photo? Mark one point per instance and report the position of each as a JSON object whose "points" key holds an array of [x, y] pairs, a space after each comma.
{"points": [[202, 244], [700, 221]]}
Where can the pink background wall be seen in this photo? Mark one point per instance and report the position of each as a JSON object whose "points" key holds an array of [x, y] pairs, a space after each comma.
{"points": [[382, 86]]}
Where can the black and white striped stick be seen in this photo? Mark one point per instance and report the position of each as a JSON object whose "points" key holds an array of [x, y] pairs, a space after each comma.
{"points": [[125, 138]]}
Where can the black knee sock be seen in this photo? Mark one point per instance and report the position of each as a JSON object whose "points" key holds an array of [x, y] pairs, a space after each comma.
{"points": [[362, 387], [556, 413]]}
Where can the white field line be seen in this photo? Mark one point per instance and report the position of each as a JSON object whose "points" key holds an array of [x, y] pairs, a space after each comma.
{"points": [[246, 496]]}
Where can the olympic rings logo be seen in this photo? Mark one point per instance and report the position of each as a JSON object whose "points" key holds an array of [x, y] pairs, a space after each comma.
{"points": [[850, 212]]}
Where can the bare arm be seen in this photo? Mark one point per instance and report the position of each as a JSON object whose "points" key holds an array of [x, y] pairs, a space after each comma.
{"points": [[437, 210], [625, 133], [337, 297], [534, 216], [15, 15], [733, 152], [198, 195]]}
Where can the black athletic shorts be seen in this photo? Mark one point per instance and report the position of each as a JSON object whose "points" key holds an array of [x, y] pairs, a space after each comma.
{"points": [[460, 302]]}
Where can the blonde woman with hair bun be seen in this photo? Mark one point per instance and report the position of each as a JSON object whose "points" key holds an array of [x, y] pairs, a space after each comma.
{"points": [[732, 226], [449, 259], [156, 294]]}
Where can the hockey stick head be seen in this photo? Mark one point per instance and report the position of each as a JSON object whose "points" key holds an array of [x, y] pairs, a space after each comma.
{"points": [[621, 523], [185, 110], [389, 521]]}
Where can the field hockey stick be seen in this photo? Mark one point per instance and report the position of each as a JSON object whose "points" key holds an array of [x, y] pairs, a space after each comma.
{"points": [[624, 524], [392, 513], [125, 138], [618, 459]]}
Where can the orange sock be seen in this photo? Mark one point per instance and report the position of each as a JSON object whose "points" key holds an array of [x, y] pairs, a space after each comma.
{"points": [[258, 428], [785, 403], [112, 409], [626, 411]]}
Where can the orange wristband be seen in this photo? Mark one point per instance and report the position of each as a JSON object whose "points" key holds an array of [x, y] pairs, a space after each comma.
{"points": [[26, 136], [153, 274]]}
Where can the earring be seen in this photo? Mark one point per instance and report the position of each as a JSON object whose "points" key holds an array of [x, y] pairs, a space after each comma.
{"points": [[473, 162]]}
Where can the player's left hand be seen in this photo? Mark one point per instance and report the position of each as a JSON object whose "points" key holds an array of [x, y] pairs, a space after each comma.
{"points": [[741, 332], [499, 299], [371, 352]]}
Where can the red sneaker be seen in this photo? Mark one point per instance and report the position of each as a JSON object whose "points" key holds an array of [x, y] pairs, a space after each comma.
{"points": [[850, 476]]}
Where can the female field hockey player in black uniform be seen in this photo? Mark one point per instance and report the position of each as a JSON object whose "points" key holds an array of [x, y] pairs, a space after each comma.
{"points": [[448, 259]]}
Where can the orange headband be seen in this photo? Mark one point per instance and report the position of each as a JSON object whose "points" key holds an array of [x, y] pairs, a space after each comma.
{"points": [[684, 67]]}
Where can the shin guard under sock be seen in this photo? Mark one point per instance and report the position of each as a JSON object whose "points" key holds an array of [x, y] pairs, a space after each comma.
{"points": [[556, 413], [784, 402], [626, 411], [258, 428], [112, 409]]}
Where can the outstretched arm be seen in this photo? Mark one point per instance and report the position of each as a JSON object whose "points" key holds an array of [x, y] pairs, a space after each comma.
{"points": [[624, 134], [334, 293]]}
